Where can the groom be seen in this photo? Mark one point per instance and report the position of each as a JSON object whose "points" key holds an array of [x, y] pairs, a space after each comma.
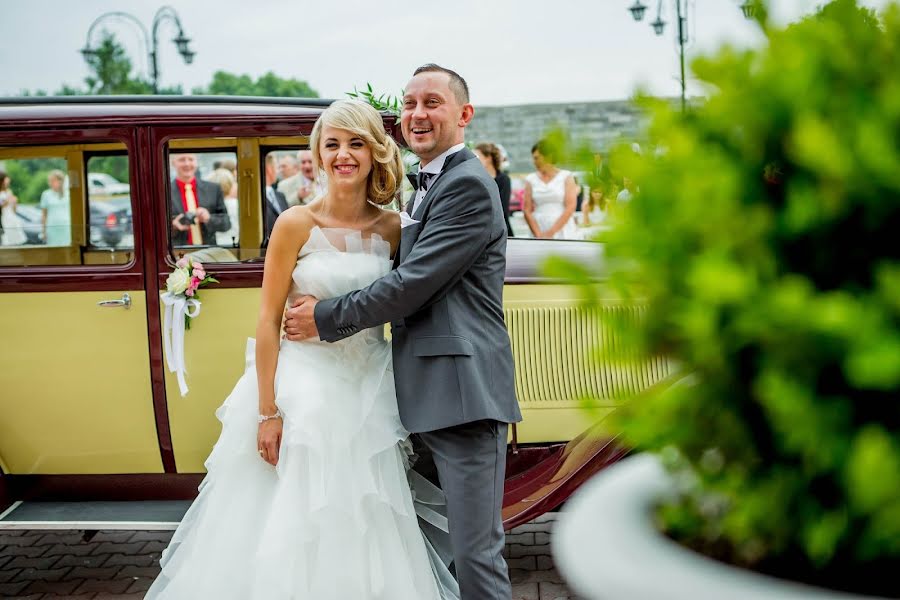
{"points": [[453, 365]]}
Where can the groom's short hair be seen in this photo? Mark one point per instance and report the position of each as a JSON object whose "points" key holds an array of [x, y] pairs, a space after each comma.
{"points": [[458, 85]]}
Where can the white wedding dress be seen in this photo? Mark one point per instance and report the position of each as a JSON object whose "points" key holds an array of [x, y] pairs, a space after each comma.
{"points": [[341, 517], [549, 199]]}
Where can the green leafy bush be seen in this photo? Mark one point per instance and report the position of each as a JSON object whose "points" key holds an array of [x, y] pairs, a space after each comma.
{"points": [[765, 237]]}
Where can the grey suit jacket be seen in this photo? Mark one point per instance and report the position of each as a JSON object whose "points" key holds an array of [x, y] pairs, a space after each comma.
{"points": [[452, 358], [271, 213]]}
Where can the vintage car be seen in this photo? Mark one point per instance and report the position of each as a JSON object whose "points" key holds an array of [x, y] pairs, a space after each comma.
{"points": [[93, 430]]}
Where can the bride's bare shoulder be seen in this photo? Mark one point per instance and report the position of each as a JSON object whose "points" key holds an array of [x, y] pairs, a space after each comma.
{"points": [[298, 216], [293, 226], [388, 226]]}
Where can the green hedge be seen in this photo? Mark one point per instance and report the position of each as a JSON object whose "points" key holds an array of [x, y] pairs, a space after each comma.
{"points": [[764, 238]]}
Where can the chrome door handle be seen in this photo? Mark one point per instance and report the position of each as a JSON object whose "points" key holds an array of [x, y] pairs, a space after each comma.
{"points": [[125, 301]]}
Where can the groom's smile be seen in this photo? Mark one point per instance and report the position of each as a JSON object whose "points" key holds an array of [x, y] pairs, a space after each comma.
{"points": [[432, 117]]}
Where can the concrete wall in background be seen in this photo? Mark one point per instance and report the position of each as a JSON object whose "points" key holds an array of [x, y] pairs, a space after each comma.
{"points": [[519, 127]]}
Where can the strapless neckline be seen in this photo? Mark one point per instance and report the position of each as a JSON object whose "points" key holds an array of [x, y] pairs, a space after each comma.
{"points": [[344, 240]]}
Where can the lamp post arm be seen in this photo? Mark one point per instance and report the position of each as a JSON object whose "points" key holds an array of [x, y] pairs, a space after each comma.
{"points": [[165, 13], [127, 17]]}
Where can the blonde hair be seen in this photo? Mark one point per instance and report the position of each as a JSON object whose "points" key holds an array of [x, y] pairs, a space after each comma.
{"points": [[224, 178], [362, 120], [56, 174]]}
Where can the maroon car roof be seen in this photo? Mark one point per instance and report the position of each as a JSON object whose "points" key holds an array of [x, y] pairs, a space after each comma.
{"points": [[62, 110]]}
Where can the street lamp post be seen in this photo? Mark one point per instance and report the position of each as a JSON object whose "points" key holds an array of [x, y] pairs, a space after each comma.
{"points": [[151, 42], [681, 13]]}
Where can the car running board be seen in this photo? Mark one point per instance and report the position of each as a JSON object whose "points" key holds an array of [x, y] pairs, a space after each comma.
{"points": [[152, 515]]}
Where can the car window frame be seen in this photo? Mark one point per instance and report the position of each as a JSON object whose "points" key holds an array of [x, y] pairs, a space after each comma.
{"points": [[249, 137], [27, 142]]}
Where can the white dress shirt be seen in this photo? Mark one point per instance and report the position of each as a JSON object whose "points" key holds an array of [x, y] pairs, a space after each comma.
{"points": [[435, 166]]}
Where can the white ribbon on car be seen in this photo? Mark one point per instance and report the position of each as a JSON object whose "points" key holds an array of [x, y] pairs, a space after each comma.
{"points": [[173, 333]]}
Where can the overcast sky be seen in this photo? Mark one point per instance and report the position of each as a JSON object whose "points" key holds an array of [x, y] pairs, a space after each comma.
{"points": [[510, 51]]}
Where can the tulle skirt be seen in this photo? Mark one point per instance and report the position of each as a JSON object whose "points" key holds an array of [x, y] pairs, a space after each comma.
{"points": [[341, 517]]}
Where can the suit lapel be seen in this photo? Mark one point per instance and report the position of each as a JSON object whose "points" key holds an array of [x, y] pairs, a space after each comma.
{"points": [[452, 162], [409, 234]]}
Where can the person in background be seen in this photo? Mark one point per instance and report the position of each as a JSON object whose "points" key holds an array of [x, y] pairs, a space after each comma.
{"points": [[490, 157], [5, 195], [11, 231], [550, 197], [197, 207], [288, 166], [55, 214], [628, 189], [274, 201], [225, 180], [579, 197], [303, 187], [593, 211], [504, 158], [230, 165]]}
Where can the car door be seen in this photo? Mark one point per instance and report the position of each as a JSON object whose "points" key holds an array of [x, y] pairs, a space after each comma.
{"points": [[75, 385], [214, 347]]}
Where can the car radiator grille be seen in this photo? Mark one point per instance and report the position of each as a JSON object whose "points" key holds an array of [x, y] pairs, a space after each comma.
{"points": [[560, 358]]}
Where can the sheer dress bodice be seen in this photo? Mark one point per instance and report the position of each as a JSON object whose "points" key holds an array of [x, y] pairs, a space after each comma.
{"points": [[334, 262]]}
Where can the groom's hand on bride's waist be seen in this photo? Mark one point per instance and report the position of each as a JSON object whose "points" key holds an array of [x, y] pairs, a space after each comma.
{"points": [[299, 319]]}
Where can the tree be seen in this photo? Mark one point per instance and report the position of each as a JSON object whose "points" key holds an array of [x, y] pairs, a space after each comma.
{"points": [[269, 84], [112, 70], [111, 74], [762, 240]]}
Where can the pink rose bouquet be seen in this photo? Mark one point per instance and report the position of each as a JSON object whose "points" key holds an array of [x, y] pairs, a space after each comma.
{"points": [[187, 278]]}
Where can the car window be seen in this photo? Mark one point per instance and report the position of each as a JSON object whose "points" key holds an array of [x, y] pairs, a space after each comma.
{"points": [[31, 189], [36, 209], [110, 228], [204, 211], [52, 211]]}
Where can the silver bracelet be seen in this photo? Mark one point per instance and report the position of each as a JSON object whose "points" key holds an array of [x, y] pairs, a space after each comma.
{"points": [[263, 418]]}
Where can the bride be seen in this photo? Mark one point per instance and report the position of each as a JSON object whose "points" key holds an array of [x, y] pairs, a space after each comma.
{"points": [[308, 492]]}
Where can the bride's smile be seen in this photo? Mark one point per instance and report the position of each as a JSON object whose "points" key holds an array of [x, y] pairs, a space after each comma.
{"points": [[346, 157]]}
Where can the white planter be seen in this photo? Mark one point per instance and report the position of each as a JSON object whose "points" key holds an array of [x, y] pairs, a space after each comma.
{"points": [[607, 548]]}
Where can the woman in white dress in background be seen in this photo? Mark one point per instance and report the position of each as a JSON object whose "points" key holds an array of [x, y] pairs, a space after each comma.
{"points": [[307, 495], [12, 232], [550, 197]]}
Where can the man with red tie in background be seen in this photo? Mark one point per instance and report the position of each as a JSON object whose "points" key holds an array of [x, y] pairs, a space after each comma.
{"points": [[197, 207]]}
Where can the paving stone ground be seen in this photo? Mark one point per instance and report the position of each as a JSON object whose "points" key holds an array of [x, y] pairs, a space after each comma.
{"points": [[40, 565]]}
